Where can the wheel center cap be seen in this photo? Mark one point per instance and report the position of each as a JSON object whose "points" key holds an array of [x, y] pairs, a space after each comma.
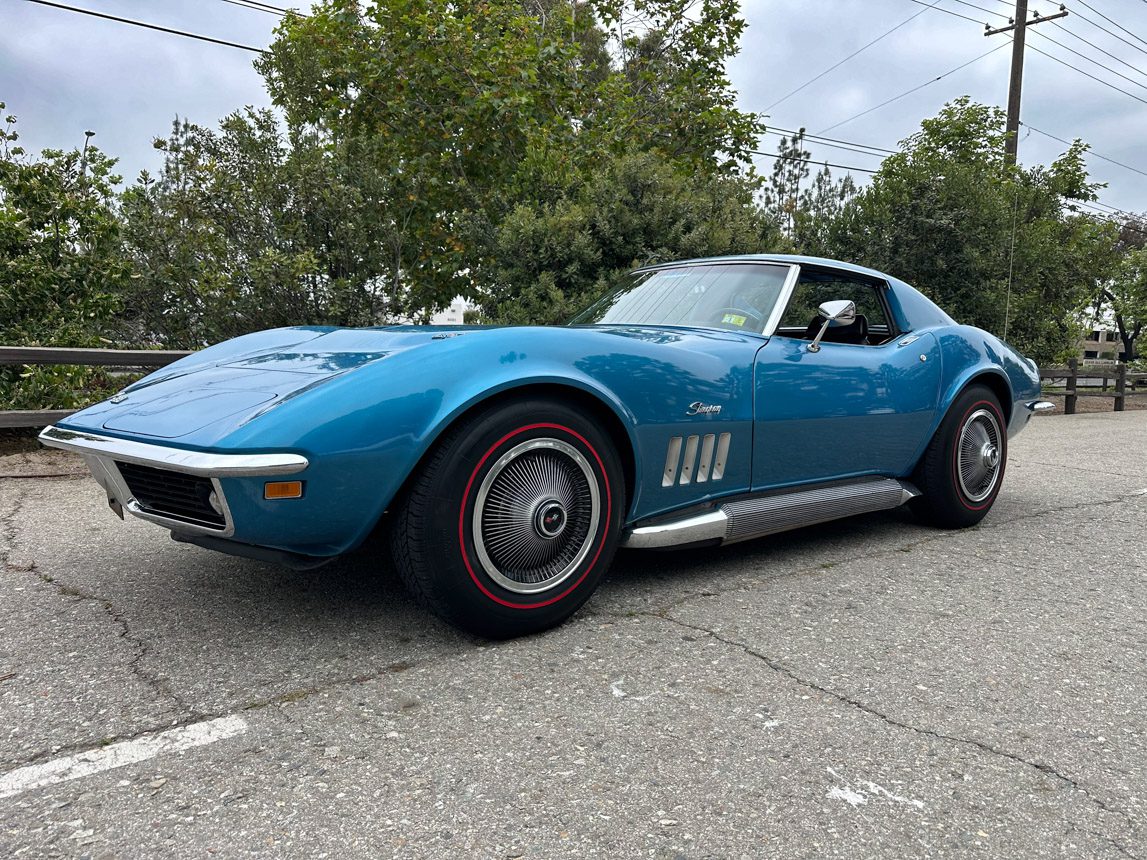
{"points": [[550, 519], [990, 455]]}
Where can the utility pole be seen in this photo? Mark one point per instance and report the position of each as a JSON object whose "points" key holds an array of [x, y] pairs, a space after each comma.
{"points": [[1019, 25]]}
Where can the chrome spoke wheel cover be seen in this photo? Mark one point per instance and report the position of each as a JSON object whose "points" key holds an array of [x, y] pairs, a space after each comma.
{"points": [[535, 515], [979, 455]]}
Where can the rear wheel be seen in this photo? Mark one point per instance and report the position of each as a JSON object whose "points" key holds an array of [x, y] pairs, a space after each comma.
{"points": [[512, 520], [962, 470]]}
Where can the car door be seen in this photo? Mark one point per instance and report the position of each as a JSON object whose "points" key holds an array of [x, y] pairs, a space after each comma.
{"points": [[859, 407]]}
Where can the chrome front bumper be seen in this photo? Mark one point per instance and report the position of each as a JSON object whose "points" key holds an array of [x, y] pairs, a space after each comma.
{"points": [[176, 459], [102, 453]]}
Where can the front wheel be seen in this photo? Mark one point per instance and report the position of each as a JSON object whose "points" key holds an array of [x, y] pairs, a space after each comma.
{"points": [[512, 520], [962, 470]]}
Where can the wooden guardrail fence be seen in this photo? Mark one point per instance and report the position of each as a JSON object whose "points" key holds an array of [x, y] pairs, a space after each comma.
{"points": [[24, 355], [1073, 373]]}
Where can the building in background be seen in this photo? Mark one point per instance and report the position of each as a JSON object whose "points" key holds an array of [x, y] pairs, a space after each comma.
{"points": [[455, 314], [1101, 344]]}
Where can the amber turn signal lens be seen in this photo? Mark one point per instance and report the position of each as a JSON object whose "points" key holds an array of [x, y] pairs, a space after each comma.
{"points": [[283, 490]]}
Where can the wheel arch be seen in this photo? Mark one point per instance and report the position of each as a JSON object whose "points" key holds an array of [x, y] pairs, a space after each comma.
{"points": [[999, 386], [994, 379], [616, 428]]}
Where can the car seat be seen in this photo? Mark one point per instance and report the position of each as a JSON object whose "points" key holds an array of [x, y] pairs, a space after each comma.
{"points": [[855, 332]]}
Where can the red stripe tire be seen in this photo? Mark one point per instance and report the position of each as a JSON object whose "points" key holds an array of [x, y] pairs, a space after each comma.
{"points": [[512, 519], [962, 470]]}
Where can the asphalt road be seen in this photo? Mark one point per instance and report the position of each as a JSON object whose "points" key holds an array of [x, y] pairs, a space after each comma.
{"points": [[868, 688]]}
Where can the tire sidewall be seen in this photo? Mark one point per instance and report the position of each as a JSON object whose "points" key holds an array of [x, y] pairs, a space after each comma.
{"points": [[981, 399], [944, 503], [474, 600]]}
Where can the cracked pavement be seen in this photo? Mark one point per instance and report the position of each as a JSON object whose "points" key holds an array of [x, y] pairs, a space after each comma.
{"points": [[865, 688]]}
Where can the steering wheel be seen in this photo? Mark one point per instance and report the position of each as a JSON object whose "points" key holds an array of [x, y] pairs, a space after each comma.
{"points": [[740, 317]]}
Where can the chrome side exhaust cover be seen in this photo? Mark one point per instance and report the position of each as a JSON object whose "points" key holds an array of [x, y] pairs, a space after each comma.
{"points": [[744, 519]]}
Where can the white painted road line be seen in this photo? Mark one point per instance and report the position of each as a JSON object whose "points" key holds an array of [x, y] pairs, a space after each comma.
{"points": [[120, 754]]}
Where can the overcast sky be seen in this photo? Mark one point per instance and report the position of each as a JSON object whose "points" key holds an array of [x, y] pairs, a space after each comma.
{"points": [[62, 73]]}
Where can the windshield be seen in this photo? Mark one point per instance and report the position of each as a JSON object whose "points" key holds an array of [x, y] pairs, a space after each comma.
{"points": [[733, 296]]}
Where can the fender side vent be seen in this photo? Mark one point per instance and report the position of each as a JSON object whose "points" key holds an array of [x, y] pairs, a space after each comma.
{"points": [[704, 459]]}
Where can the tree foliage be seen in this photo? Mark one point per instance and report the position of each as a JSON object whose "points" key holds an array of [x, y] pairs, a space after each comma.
{"points": [[995, 246], [469, 111], [1126, 298], [62, 267], [552, 260], [243, 229], [804, 214]]}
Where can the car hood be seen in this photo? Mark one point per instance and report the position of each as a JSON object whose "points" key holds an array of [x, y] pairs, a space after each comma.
{"points": [[245, 377], [205, 397]]}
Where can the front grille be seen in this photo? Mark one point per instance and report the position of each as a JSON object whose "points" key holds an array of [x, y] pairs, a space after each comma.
{"points": [[172, 494]]}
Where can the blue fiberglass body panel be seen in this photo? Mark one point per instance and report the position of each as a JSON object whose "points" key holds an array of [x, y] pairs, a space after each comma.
{"points": [[844, 411]]}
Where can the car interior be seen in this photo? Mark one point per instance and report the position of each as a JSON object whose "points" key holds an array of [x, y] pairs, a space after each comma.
{"points": [[871, 327]]}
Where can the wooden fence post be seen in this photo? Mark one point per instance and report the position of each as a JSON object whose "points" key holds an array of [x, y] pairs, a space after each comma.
{"points": [[1120, 386], [1070, 395]]}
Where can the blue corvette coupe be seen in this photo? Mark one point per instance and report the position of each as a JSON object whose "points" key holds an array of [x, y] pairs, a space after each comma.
{"points": [[702, 402]]}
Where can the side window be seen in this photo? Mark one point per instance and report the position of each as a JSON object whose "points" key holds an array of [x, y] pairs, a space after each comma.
{"points": [[813, 289]]}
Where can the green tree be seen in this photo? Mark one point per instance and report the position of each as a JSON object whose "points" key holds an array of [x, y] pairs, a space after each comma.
{"points": [[669, 92], [804, 214], [62, 265], [818, 208], [781, 195], [554, 259], [60, 244], [243, 229], [1126, 297], [467, 111], [995, 246]]}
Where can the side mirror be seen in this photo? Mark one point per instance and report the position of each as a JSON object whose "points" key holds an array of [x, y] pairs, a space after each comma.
{"points": [[838, 313]]}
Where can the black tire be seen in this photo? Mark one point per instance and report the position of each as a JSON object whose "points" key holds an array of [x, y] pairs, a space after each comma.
{"points": [[962, 470], [512, 520]]}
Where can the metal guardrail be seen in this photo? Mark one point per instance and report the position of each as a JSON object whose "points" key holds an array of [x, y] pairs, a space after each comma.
{"points": [[1073, 373], [152, 358], [45, 355]]}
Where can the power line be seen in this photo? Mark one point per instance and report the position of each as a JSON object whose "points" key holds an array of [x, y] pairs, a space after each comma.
{"points": [[813, 161], [1090, 60], [849, 57], [1096, 154], [914, 89], [878, 150], [981, 8], [936, 8], [815, 142], [1087, 74], [1075, 35], [256, 7], [135, 23], [1099, 215], [1011, 5], [1086, 5], [817, 137], [957, 14], [1083, 17]]}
